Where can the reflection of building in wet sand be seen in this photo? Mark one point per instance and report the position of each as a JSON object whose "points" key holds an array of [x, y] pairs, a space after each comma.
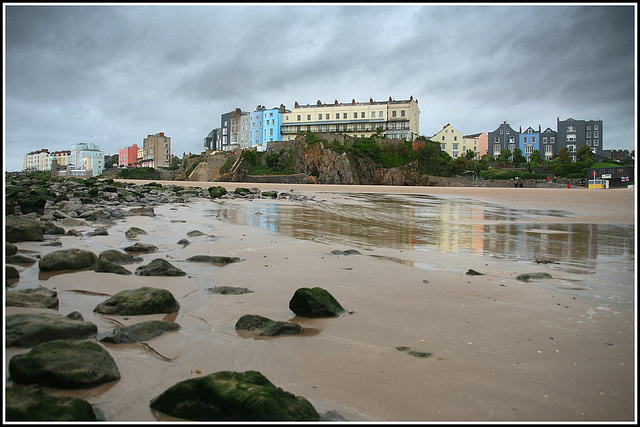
{"points": [[451, 225]]}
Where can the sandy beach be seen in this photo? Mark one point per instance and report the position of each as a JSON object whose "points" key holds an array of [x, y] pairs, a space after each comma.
{"points": [[502, 349]]}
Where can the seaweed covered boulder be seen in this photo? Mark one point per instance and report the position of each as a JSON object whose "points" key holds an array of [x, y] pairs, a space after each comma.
{"points": [[29, 329], [134, 232], [67, 259], [145, 300], [141, 247], [139, 332], [103, 265], [263, 326], [36, 297], [29, 403], [117, 256], [159, 267], [315, 302], [217, 191], [64, 364], [22, 230], [10, 249], [33, 204], [233, 396]]}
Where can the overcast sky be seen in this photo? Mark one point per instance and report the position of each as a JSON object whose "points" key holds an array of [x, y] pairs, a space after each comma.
{"points": [[113, 74]]}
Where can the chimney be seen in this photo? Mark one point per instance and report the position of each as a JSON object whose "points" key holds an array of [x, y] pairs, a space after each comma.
{"points": [[353, 101], [296, 104], [411, 98], [319, 104], [336, 102], [539, 129], [238, 110], [520, 129], [370, 100], [389, 99]]}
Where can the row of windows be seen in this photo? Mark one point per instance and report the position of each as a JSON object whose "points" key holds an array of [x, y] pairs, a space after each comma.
{"points": [[356, 115]]}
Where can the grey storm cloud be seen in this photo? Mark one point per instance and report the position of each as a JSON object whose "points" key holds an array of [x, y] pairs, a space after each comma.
{"points": [[112, 74]]}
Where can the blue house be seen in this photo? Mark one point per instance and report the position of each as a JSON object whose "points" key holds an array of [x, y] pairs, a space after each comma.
{"points": [[529, 141], [266, 126]]}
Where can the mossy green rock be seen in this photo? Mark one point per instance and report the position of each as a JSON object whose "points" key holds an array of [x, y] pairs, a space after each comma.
{"points": [[218, 260], [134, 232], [22, 230], [116, 256], [159, 267], [264, 326], [33, 204], [141, 247], [10, 249], [233, 396], [67, 259], [315, 302], [103, 265], [29, 403], [217, 191], [272, 194], [139, 332], [20, 259], [11, 272], [64, 364], [240, 190], [29, 329], [533, 276], [37, 297], [145, 300]]}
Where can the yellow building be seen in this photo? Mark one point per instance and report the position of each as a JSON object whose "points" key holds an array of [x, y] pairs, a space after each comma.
{"points": [[392, 119]]}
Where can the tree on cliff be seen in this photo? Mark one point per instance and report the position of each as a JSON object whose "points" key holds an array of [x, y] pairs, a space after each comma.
{"points": [[432, 160]]}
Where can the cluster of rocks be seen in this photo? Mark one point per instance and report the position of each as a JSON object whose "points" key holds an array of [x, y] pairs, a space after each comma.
{"points": [[65, 350]]}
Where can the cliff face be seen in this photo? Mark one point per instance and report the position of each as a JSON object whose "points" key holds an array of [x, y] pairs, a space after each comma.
{"points": [[331, 167]]}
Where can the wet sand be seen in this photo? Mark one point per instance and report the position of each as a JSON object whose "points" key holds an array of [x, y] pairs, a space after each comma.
{"points": [[502, 349]]}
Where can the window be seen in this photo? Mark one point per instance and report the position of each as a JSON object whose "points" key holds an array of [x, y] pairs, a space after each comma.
{"points": [[344, 115], [552, 140], [337, 115], [319, 128], [595, 127], [373, 114], [507, 130], [455, 146], [393, 113], [588, 127], [588, 134], [326, 116], [510, 140], [308, 116], [225, 123], [362, 115], [443, 137], [355, 115], [320, 116], [588, 142], [596, 134], [270, 114], [402, 113], [528, 149], [496, 139], [270, 132], [571, 128], [501, 130], [443, 147], [525, 139], [571, 138], [455, 138], [497, 148], [548, 149], [596, 142], [380, 114], [299, 117], [571, 148], [533, 139]]}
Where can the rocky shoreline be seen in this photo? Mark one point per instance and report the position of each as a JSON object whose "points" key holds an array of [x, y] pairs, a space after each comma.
{"points": [[394, 337], [63, 347]]}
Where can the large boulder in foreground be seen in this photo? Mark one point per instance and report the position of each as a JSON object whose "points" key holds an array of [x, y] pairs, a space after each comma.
{"points": [[145, 300], [22, 230], [264, 326], [29, 329], [67, 259], [139, 332], [233, 396], [159, 267], [37, 297], [29, 403], [64, 364], [315, 302]]}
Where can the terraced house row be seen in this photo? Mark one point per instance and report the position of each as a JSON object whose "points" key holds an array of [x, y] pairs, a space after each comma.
{"points": [[389, 119], [394, 119]]}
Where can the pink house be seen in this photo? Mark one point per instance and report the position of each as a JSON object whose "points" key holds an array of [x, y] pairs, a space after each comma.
{"points": [[127, 157]]}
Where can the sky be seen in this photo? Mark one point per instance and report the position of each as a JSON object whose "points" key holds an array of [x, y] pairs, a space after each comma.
{"points": [[111, 74]]}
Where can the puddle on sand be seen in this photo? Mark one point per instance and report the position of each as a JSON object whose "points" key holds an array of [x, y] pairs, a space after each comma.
{"points": [[452, 225]]}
